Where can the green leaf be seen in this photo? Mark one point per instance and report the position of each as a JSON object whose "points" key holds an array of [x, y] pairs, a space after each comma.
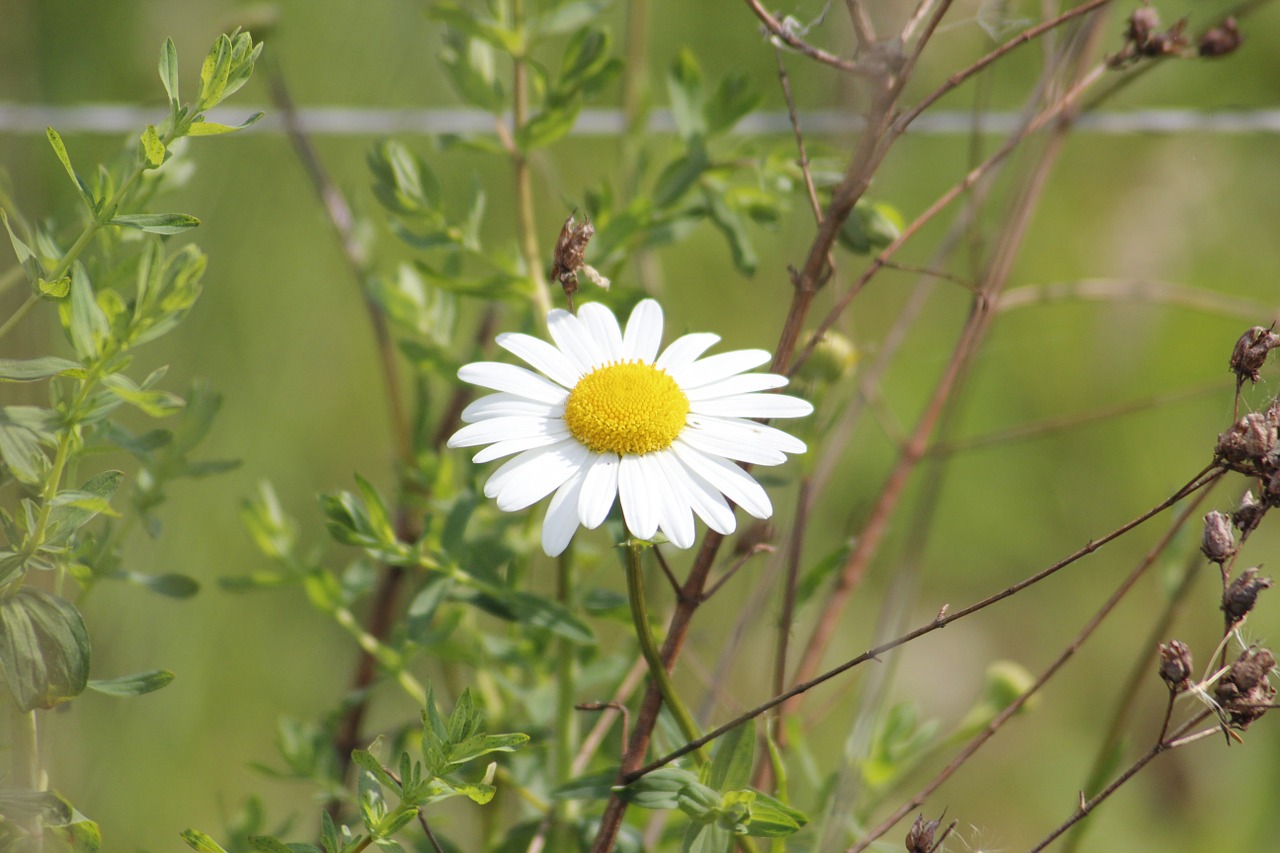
{"points": [[659, 789], [20, 449], [596, 786], [734, 757], [470, 65], [56, 289], [200, 842], [537, 612], [77, 833], [554, 121], [157, 404], [170, 585], [65, 520], [60, 149], [169, 72], [679, 176], [684, 87], [152, 148], [200, 127], [157, 223], [214, 72], [21, 249], [735, 231], [566, 16], [771, 818], [132, 685], [584, 58], [267, 844], [478, 26], [31, 369], [84, 319], [733, 99], [708, 837], [44, 649]]}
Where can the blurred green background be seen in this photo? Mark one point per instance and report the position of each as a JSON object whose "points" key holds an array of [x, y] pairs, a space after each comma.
{"points": [[281, 332]]}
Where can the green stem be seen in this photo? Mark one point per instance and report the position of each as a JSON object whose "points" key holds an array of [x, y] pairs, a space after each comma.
{"points": [[657, 672], [566, 720], [24, 762], [525, 219]]}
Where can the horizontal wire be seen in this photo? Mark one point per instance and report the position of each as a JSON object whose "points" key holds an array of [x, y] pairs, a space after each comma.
{"points": [[108, 118]]}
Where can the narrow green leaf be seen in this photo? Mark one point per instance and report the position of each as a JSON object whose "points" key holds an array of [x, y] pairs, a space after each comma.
{"points": [[66, 520], [132, 685], [212, 128], [267, 844], [535, 611], [200, 842], [584, 57], [21, 452], [553, 122], [44, 649], [213, 73], [771, 818], [169, 72], [21, 249], [152, 147], [734, 757], [734, 98], [31, 369], [596, 786], [170, 585], [60, 149], [157, 223], [684, 87], [157, 404], [735, 231]]}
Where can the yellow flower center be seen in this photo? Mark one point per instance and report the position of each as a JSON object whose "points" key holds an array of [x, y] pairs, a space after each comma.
{"points": [[626, 407]]}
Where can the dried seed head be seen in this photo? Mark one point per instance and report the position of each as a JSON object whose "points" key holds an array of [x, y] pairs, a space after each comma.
{"points": [[920, 836], [1243, 691], [1218, 542], [1143, 23], [571, 248], [1239, 598], [1175, 664], [1250, 352], [1222, 40], [1259, 435], [1248, 515]]}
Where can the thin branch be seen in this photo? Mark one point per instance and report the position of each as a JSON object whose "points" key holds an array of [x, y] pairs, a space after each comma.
{"points": [[783, 33], [1205, 477]]}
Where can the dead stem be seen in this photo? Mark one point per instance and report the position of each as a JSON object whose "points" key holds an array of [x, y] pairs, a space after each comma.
{"points": [[1065, 655], [1203, 478]]}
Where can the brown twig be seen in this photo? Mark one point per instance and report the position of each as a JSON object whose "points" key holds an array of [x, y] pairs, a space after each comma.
{"points": [[1065, 655], [1205, 477], [780, 31]]}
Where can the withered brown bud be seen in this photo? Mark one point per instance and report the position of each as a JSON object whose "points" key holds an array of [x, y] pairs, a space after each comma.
{"points": [[1218, 542], [1238, 598], [569, 254], [1143, 23], [1248, 515], [1259, 435], [1250, 352], [1222, 40], [920, 836], [1175, 664], [1243, 691]]}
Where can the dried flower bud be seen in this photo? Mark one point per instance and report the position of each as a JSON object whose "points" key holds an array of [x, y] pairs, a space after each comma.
{"points": [[1238, 599], [1248, 515], [1222, 40], [571, 247], [920, 836], [1175, 664], [1243, 691], [1142, 24], [1218, 542], [1250, 353], [1259, 435]]}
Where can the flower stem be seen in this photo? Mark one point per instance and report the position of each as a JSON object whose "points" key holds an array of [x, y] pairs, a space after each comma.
{"points": [[24, 763], [657, 672]]}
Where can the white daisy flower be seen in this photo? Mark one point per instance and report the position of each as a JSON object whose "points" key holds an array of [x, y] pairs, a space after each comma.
{"points": [[608, 417]]}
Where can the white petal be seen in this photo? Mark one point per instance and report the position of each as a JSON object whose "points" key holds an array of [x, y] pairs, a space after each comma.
{"points": [[644, 331], [543, 356], [753, 406], [748, 432], [499, 449], [736, 485], [561, 521], [638, 498], [603, 326], [574, 340], [506, 405], [717, 367], [685, 350], [529, 477], [599, 490], [500, 429], [674, 513], [513, 380], [747, 383], [704, 498], [720, 443]]}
